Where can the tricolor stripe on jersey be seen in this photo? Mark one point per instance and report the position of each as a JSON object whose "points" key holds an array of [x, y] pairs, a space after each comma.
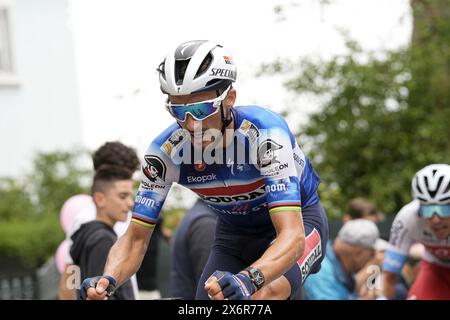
{"points": [[143, 221], [278, 206]]}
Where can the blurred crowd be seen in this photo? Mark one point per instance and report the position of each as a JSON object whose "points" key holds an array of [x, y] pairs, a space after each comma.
{"points": [[353, 266]]}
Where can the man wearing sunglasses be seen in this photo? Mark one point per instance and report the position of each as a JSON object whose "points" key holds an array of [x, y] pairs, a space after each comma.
{"points": [[425, 220], [245, 163]]}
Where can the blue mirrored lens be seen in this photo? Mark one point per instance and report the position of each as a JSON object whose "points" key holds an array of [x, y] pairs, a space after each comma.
{"points": [[199, 111], [427, 211]]}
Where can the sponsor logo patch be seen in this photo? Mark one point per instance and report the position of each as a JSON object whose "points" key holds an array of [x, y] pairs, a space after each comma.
{"points": [[155, 168], [397, 232], [250, 131], [239, 167], [276, 187], [201, 179], [299, 160], [228, 59], [223, 73], [235, 198], [267, 153], [151, 186], [200, 166], [270, 172], [240, 210], [145, 201], [441, 252], [173, 141], [313, 252]]}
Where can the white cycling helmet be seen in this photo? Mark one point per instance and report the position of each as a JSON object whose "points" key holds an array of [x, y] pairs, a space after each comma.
{"points": [[431, 185], [196, 66]]}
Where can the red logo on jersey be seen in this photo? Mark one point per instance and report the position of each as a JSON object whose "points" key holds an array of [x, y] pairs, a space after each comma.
{"points": [[440, 252], [313, 252], [200, 166]]}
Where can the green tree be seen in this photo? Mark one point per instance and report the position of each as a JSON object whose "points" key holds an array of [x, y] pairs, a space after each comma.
{"points": [[57, 176], [382, 117], [29, 210], [15, 202]]}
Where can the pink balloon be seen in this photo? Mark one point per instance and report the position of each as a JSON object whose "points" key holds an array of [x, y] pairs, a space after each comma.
{"points": [[61, 254], [72, 207]]}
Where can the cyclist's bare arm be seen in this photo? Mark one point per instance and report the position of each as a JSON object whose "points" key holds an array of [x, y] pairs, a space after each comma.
{"points": [[286, 250], [127, 254], [125, 257]]}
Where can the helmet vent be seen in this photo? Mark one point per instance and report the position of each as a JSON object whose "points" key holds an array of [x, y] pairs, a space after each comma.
{"points": [[433, 193], [448, 188], [427, 186], [161, 69], [417, 185], [180, 70], [206, 63], [210, 83]]}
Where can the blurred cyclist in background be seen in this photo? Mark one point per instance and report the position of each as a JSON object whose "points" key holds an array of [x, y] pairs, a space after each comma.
{"points": [[426, 220]]}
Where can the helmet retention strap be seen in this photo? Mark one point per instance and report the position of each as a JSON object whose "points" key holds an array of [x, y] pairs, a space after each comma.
{"points": [[225, 120]]}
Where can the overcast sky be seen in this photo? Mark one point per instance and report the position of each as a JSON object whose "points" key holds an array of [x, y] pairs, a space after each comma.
{"points": [[120, 43]]}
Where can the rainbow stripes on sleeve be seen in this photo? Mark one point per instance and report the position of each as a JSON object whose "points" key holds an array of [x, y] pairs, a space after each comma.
{"points": [[143, 221], [279, 206]]}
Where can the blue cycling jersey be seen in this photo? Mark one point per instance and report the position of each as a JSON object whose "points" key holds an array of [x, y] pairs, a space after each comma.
{"points": [[261, 172]]}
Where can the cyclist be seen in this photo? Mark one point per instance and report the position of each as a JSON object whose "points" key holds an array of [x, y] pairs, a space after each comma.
{"points": [[426, 220], [245, 164]]}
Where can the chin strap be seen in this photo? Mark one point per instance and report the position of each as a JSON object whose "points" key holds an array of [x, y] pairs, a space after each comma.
{"points": [[225, 121]]}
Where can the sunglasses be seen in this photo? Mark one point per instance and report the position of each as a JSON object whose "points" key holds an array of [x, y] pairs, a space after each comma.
{"points": [[427, 211], [198, 110]]}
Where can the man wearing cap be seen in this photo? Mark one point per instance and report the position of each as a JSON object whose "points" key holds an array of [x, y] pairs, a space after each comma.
{"points": [[354, 246], [362, 208]]}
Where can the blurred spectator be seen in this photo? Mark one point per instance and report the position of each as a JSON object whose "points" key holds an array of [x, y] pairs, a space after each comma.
{"points": [[354, 246], [190, 249], [116, 154], [361, 208], [109, 154], [368, 279]]}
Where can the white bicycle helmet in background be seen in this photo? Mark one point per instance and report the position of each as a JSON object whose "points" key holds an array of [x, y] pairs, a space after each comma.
{"points": [[431, 185], [196, 66]]}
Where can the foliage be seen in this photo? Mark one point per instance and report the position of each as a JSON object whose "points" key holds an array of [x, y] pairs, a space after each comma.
{"points": [[55, 177], [29, 210], [32, 239], [15, 202], [383, 115]]}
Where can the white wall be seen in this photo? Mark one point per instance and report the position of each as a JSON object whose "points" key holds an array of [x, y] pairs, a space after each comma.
{"points": [[42, 111]]}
